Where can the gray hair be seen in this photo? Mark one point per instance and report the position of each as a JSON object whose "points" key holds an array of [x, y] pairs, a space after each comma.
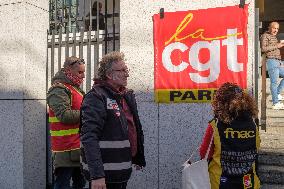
{"points": [[271, 24], [70, 61], [107, 62]]}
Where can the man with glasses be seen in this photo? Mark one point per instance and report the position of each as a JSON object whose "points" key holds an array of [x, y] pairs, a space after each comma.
{"points": [[271, 47], [64, 99], [111, 133]]}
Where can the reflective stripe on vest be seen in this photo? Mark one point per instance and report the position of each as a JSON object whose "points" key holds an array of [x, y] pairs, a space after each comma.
{"points": [[65, 137], [53, 120], [64, 132]]}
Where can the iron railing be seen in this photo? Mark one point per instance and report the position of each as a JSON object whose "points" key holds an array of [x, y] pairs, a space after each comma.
{"points": [[78, 29]]}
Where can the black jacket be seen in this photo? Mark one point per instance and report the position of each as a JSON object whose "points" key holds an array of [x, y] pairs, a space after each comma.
{"points": [[104, 135]]}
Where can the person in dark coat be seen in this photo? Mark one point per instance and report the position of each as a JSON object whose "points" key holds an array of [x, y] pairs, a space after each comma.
{"points": [[111, 133]]}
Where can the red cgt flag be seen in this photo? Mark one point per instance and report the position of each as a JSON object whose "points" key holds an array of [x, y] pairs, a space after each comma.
{"points": [[197, 51]]}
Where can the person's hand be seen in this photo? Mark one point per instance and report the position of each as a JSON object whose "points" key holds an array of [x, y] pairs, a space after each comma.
{"points": [[98, 184], [280, 45], [137, 167]]}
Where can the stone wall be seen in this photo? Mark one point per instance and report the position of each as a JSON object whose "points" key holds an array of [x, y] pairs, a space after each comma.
{"points": [[22, 93], [172, 131]]}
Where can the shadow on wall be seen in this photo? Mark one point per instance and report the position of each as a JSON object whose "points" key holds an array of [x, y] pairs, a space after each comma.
{"points": [[23, 153], [24, 124], [22, 114], [172, 132]]}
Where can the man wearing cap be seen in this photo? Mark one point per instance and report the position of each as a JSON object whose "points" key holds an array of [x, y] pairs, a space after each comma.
{"points": [[64, 100], [271, 47]]}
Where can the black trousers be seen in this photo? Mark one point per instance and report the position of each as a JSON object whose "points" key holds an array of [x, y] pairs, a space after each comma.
{"points": [[63, 176], [115, 185]]}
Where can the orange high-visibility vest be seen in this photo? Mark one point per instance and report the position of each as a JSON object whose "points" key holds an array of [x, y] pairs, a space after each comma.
{"points": [[65, 137]]}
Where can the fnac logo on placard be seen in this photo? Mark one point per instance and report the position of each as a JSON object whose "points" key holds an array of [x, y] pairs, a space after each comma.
{"points": [[213, 44]]}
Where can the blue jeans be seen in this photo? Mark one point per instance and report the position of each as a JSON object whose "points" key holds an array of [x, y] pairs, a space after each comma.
{"points": [[63, 177], [274, 71]]}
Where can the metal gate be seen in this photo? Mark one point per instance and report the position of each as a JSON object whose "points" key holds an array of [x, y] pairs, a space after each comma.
{"points": [[86, 29], [75, 31]]}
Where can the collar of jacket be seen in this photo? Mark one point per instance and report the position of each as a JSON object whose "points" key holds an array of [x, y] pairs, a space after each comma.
{"points": [[60, 77], [117, 94], [241, 115], [268, 33]]}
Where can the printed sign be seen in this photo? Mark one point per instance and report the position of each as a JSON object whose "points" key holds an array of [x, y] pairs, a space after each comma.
{"points": [[237, 163], [112, 104], [197, 51], [247, 181]]}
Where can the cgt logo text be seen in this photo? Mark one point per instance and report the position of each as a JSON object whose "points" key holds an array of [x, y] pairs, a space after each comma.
{"points": [[213, 44], [184, 95]]}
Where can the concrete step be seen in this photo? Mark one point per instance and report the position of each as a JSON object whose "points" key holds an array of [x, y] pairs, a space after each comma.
{"points": [[274, 113], [271, 158], [269, 97], [270, 144], [269, 107], [272, 123], [270, 174], [273, 130], [275, 122], [272, 186], [274, 117], [272, 140]]}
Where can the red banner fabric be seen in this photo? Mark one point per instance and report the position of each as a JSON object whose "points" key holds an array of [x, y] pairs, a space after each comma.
{"points": [[196, 51]]}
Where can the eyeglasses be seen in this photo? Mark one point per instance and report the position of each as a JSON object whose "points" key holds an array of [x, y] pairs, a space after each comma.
{"points": [[123, 70]]}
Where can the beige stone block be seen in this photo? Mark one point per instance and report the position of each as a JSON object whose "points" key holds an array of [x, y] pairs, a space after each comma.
{"points": [[148, 178], [181, 129], [34, 156], [35, 52], [12, 51], [11, 144]]}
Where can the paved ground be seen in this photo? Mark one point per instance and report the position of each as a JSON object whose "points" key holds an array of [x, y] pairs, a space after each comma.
{"points": [[273, 138]]}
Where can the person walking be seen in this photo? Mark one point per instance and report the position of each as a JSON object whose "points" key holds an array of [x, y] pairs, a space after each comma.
{"points": [[235, 140], [271, 47], [111, 133], [64, 100]]}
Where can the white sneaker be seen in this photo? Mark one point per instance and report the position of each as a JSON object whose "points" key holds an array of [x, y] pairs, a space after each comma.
{"points": [[280, 97], [278, 106]]}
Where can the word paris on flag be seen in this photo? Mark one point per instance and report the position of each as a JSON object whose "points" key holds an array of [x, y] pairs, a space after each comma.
{"points": [[197, 51]]}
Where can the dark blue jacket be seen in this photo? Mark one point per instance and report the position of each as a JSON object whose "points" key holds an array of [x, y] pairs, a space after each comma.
{"points": [[104, 135]]}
